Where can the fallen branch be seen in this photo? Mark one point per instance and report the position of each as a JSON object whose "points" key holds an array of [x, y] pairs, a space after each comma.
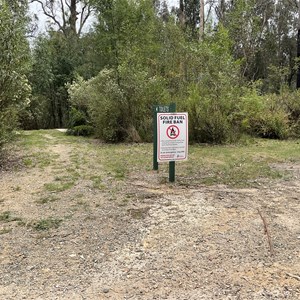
{"points": [[293, 276], [267, 232]]}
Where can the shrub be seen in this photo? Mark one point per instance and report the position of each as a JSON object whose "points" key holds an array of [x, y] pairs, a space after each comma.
{"points": [[263, 116], [119, 104], [14, 87], [81, 130], [291, 104], [77, 118], [271, 124], [213, 97], [8, 122], [209, 122]]}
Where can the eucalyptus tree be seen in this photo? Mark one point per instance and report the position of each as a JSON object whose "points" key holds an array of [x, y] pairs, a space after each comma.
{"points": [[189, 15], [263, 34], [69, 16], [57, 56], [55, 60], [297, 3], [14, 57], [201, 20]]}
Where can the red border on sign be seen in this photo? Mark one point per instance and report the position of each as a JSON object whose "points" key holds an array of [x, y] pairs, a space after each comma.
{"points": [[173, 137], [158, 134]]}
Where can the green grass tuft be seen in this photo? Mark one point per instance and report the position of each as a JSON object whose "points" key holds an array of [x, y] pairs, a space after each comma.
{"points": [[8, 217], [46, 224], [58, 187], [5, 230], [47, 199]]}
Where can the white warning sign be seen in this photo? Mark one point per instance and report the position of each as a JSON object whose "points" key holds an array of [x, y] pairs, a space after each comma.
{"points": [[172, 135]]}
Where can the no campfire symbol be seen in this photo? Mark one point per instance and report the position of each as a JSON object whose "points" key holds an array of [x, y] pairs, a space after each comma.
{"points": [[173, 132]]}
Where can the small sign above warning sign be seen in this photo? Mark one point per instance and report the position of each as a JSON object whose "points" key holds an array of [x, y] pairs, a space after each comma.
{"points": [[172, 141]]}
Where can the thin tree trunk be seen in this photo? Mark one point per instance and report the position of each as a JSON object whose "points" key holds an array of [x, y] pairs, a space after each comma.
{"points": [[298, 56], [298, 48], [221, 11], [181, 14], [201, 25], [73, 17]]}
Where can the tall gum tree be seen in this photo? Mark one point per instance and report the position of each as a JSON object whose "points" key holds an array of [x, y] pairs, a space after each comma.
{"points": [[191, 16], [298, 46], [201, 18], [70, 16], [14, 65]]}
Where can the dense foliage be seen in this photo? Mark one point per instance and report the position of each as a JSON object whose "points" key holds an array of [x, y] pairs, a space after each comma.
{"points": [[239, 78], [14, 54]]}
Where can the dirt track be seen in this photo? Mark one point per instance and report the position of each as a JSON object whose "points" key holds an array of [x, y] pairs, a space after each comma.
{"points": [[146, 239]]}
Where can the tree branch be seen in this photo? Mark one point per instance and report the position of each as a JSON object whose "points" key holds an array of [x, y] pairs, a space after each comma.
{"points": [[208, 12], [69, 5], [267, 232], [83, 18], [63, 12], [49, 15]]}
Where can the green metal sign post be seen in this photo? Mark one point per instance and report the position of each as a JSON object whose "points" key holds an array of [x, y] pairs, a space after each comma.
{"points": [[172, 163]]}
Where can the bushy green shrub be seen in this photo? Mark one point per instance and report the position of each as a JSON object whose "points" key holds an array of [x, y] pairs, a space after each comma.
{"points": [[14, 50], [237, 112], [291, 102], [208, 121], [213, 97], [77, 118], [120, 103], [81, 130], [274, 125], [105, 106], [8, 122], [79, 124], [263, 116], [33, 116], [274, 120]]}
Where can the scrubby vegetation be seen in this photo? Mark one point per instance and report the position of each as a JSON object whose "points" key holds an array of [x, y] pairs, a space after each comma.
{"points": [[14, 55], [237, 78]]}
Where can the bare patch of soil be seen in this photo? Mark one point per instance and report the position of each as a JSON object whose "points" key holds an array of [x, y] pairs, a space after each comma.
{"points": [[141, 239]]}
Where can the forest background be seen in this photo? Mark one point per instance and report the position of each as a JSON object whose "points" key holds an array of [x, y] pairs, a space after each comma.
{"points": [[232, 65]]}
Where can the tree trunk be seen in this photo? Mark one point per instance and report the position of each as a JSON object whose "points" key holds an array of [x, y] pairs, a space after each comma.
{"points": [[181, 14], [298, 56], [221, 11], [298, 48], [73, 17], [201, 25]]}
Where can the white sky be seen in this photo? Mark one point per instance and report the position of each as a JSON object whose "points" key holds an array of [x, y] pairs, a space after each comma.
{"points": [[173, 2]]}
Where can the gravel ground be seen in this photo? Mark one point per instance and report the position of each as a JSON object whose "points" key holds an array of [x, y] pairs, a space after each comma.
{"points": [[167, 242]]}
